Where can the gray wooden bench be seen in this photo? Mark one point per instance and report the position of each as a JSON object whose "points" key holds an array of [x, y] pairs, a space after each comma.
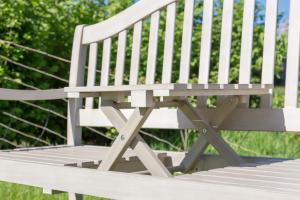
{"points": [[122, 170]]}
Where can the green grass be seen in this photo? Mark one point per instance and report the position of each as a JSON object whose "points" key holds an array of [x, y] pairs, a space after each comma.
{"points": [[10, 191]]}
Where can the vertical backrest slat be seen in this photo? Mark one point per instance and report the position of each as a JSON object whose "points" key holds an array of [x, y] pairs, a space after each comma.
{"points": [[246, 46], [205, 53], [105, 62], [135, 56], [78, 59], [152, 48], [206, 37], [91, 72], [169, 44], [225, 46], [269, 49], [292, 70], [121, 58], [247, 42], [186, 41]]}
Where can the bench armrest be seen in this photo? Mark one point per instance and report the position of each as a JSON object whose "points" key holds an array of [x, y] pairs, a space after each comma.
{"points": [[31, 95], [123, 20]]}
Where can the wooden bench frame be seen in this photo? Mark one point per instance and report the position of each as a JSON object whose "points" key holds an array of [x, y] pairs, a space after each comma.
{"points": [[148, 101]]}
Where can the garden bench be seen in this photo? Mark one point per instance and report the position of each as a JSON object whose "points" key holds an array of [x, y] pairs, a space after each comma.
{"points": [[122, 170]]}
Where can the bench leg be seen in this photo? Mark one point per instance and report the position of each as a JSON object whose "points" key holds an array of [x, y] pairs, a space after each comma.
{"points": [[209, 135], [73, 196], [129, 137]]}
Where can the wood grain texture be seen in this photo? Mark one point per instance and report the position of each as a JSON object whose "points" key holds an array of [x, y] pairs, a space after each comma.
{"points": [[292, 70], [123, 20]]}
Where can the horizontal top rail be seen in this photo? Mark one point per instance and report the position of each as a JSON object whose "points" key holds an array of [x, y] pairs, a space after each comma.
{"points": [[122, 21], [31, 95]]}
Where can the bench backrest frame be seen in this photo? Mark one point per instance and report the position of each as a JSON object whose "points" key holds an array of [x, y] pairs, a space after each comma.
{"points": [[264, 118]]}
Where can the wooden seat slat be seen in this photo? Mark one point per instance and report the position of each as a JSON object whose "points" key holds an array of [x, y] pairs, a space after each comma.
{"points": [[223, 182], [287, 185], [170, 87], [28, 95]]}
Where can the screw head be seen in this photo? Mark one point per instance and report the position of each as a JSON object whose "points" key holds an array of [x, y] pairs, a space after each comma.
{"points": [[122, 137]]}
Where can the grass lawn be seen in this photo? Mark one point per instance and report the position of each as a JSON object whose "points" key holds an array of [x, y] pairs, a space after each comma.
{"points": [[10, 191]]}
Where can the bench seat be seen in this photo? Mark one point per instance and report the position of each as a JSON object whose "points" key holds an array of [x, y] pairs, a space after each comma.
{"points": [[267, 178], [272, 175], [172, 89]]}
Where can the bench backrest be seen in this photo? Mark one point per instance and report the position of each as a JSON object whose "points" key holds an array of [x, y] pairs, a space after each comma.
{"points": [[92, 39]]}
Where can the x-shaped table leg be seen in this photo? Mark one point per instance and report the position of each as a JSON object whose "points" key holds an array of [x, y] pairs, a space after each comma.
{"points": [[128, 136], [209, 135]]}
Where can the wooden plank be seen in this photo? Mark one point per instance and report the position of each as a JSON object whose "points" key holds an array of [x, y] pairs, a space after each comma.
{"points": [[91, 77], [292, 68], [210, 135], [45, 161], [271, 187], [248, 180], [247, 45], [141, 149], [149, 158], [76, 79], [169, 44], [116, 185], [142, 99], [127, 88], [260, 172], [82, 156], [254, 176], [201, 144], [135, 57], [41, 154], [123, 20], [221, 88], [152, 48], [126, 135], [31, 95], [78, 59], [74, 196], [105, 70], [205, 53], [121, 58], [51, 192], [186, 42], [51, 157], [240, 119], [173, 93], [269, 49], [225, 46]]}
